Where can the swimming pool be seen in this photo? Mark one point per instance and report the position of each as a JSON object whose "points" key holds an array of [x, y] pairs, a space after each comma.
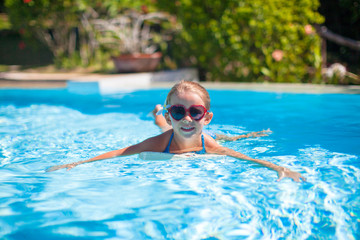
{"points": [[317, 135]]}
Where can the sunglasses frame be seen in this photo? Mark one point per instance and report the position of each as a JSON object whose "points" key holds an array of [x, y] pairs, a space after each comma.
{"points": [[187, 110]]}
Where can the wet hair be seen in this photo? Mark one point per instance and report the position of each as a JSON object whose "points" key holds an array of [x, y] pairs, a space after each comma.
{"points": [[188, 86]]}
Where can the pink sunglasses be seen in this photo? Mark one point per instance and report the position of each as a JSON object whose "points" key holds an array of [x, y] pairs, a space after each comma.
{"points": [[196, 112]]}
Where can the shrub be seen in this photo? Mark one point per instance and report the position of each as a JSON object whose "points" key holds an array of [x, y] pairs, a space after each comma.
{"points": [[250, 39]]}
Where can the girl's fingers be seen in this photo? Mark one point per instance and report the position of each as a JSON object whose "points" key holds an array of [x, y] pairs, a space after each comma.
{"points": [[281, 176], [297, 177], [54, 168]]}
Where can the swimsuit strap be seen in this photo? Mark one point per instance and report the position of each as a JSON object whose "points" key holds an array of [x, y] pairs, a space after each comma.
{"points": [[202, 151], [167, 149]]}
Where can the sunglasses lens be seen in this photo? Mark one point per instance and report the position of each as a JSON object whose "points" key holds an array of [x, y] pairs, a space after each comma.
{"points": [[177, 112], [197, 112]]}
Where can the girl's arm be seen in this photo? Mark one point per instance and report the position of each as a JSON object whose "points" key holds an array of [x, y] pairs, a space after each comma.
{"points": [[262, 133], [155, 144], [116, 153], [282, 171]]}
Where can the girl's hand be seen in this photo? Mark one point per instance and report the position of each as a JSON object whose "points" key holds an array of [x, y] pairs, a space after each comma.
{"points": [[68, 166], [262, 133], [285, 172]]}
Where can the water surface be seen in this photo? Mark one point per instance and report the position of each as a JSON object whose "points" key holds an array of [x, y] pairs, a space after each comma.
{"points": [[317, 135]]}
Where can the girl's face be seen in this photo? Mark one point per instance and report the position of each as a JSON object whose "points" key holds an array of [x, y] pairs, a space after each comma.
{"points": [[187, 127]]}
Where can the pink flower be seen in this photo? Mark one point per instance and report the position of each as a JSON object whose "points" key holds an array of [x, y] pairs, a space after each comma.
{"points": [[308, 29], [277, 55], [27, 1]]}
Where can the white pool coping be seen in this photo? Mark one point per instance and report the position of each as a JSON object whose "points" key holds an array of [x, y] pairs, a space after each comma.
{"points": [[84, 83]]}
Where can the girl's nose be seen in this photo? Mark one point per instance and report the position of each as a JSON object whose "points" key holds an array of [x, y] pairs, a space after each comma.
{"points": [[187, 117]]}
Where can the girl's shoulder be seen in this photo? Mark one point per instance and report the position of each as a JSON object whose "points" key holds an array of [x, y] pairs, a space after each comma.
{"points": [[210, 142], [211, 146], [165, 136], [157, 143]]}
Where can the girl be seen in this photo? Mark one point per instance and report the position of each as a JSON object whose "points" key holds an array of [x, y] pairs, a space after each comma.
{"points": [[187, 111], [160, 121]]}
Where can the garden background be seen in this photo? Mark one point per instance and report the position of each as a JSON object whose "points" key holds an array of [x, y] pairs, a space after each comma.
{"points": [[239, 41]]}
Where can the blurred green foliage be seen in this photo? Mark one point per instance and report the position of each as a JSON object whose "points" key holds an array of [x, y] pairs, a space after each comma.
{"points": [[250, 39], [14, 50], [61, 25], [245, 40]]}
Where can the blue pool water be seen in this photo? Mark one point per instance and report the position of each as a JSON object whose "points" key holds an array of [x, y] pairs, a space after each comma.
{"points": [[317, 135]]}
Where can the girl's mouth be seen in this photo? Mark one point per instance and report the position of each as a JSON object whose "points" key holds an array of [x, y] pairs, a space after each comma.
{"points": [[187, 129]]}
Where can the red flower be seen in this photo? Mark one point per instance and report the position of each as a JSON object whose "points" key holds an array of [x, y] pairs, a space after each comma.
{"points": [[22, 31], [21, 45], [144, 9], [27, 1]]}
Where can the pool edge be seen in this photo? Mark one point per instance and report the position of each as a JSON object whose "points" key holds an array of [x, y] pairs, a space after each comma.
{"points": [[112, 83]]}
